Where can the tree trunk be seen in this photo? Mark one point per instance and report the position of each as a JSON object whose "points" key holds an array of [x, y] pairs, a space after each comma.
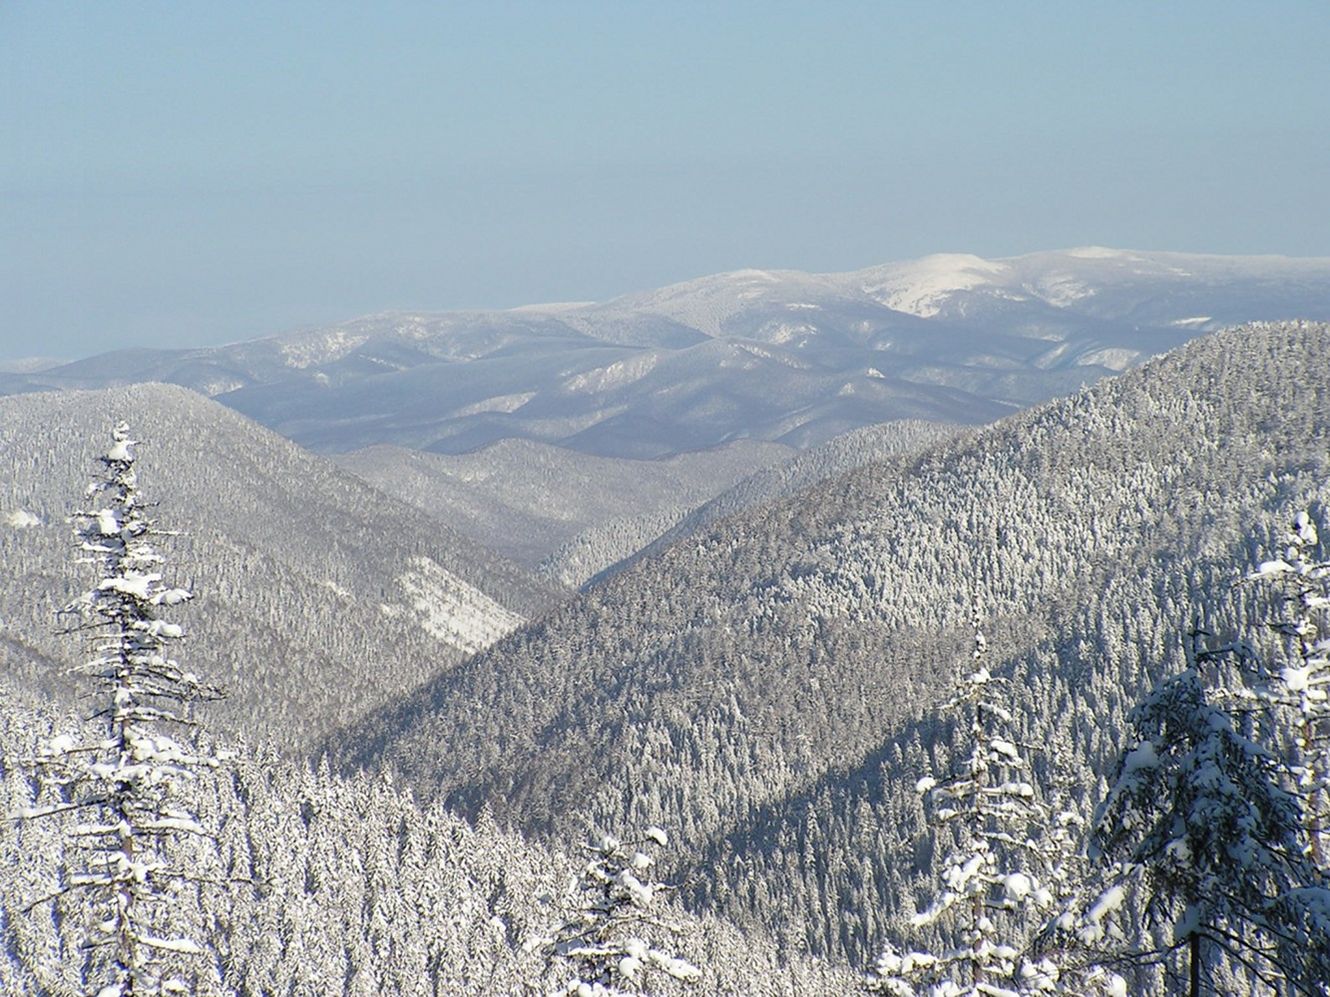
{"points": [[1312, 813], [1195, 946]]}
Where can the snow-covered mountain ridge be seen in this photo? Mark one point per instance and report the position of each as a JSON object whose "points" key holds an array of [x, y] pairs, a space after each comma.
{"points": [[304, 573], [782, 356]]}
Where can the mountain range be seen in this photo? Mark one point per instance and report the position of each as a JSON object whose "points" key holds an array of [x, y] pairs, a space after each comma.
{"points": [[569, 437], [781, 356], [703, 557]]}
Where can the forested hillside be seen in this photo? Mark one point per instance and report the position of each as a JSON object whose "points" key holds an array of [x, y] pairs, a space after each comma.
{"points": [[607, 548], [838, 456], [347, 887], [320, 598], [770, 685]]}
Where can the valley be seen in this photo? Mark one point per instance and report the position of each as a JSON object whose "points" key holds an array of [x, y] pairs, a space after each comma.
{"points": [[748, 637]]}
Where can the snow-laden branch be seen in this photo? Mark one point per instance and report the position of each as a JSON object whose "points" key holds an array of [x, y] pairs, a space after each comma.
{"points": [[122, 873]]}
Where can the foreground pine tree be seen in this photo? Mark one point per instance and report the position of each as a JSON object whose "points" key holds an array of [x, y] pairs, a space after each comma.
{"points": [[1198, 825], [125, 789], [991, 888], [606, 943]]}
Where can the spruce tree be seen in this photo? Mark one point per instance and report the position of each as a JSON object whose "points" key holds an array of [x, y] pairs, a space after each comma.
{"points": [[991, 888], [126, 789], [1300, 684], [606, 943], [1198, 825]]}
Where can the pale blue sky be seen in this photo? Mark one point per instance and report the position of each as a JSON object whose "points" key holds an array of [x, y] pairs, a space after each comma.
{"points": [[182, 173]]}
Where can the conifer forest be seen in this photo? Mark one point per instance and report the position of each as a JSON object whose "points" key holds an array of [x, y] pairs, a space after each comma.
{"points": [[1038, 706]]}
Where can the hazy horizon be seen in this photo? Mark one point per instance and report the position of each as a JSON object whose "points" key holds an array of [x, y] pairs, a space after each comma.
{"points": [[189, 175]]}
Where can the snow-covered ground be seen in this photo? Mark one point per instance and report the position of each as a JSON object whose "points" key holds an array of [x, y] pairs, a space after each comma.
{"points": [[450, 609]]}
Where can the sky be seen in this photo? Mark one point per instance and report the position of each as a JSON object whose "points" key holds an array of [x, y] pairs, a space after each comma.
{"points": [[183, 174]]}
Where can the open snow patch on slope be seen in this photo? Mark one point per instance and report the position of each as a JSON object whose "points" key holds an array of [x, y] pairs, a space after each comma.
{"points": [[613, 375], [1114, 358], [450, 609], [783, 333], [922, 286], [755, 277], [499, 403], [21, 519], [320, 348], [776, 356], [1060, 289], [219, 386], [1047, 359]]}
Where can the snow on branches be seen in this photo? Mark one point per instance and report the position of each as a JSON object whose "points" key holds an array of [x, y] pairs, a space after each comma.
{"points": [[1301, 684], [124, 791], [603, 943], [1199, 826], [990, 880]]}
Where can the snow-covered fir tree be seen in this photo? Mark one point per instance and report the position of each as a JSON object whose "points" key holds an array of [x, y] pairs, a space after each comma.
{"points": [[125, 792], [1059, 963], [606, 945], [1198, 826], [991, 887], [1300, 682]]}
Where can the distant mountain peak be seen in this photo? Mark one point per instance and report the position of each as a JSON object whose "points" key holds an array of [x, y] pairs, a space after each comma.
{"points": [[762, 354], [919, 287]]}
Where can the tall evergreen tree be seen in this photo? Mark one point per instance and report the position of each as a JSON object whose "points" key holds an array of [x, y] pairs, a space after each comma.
{"points": [[1198, 823], [126, 790], [1300, 684], [991, 888]]}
